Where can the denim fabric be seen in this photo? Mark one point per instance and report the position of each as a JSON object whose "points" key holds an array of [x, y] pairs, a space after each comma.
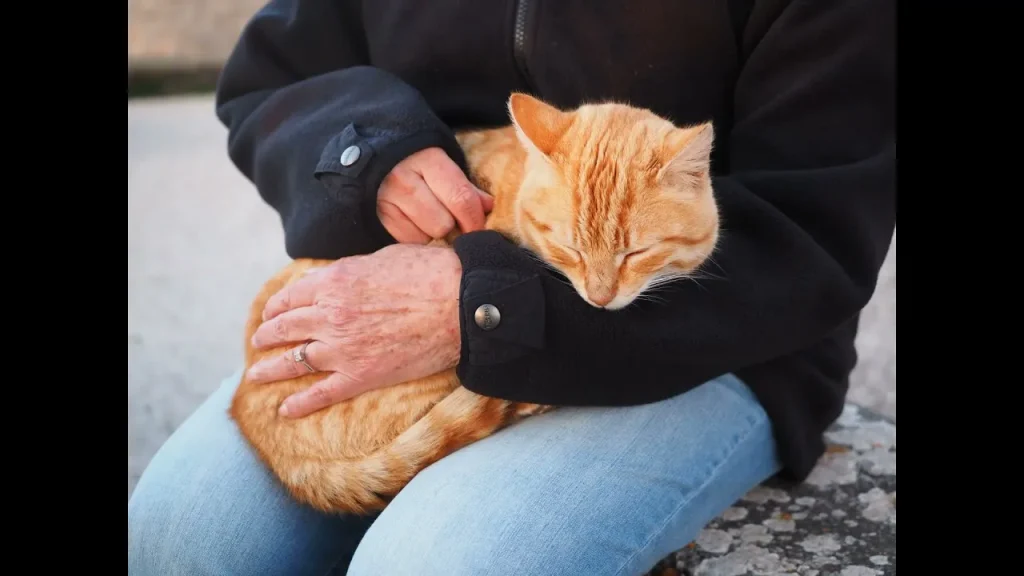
{"points": [[597, 491]]}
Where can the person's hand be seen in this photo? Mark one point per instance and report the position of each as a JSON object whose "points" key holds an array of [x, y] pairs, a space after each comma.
{"points": [[373, 321], [425, 195]]}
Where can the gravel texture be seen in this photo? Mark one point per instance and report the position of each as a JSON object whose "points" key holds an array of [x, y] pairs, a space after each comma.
{"points": [[200, 243]]}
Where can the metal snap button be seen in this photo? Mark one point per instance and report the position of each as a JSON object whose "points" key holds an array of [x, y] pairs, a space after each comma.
{"points": [[487, 317], [350, 156]]}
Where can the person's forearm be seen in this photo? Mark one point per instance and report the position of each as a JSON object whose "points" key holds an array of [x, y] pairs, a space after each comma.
{"points": [[808, 212], [316, 129]]}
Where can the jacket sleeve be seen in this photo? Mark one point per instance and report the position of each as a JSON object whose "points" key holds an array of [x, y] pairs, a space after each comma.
{"points": [[809, 209], [295, 94]]}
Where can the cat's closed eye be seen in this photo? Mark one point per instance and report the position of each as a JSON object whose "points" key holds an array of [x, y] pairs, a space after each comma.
{"points": [[568, 251], [633, 254], [575, 253]]}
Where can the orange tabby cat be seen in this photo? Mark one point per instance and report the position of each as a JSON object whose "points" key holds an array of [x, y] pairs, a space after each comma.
{"points": [[614, 197]]}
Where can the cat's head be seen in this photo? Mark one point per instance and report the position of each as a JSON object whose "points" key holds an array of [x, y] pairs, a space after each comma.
{"points": [[615, 197]]}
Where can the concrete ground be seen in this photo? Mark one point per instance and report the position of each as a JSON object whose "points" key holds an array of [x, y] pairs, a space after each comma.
{"points": [[201, 242]]}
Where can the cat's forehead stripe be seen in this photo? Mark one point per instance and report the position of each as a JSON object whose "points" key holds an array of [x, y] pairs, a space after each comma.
{"points": [[604, 194]]}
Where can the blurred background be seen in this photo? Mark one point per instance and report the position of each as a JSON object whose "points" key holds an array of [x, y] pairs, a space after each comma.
{"points": [[201, 242]]}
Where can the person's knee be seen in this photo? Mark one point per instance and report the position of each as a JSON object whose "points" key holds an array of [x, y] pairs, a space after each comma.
{"points": [[206, 505], [143, 536], [444, 526], [437, 543], [175, 531], [246, 525], [170, 530], [180, 513], [166, 536]]}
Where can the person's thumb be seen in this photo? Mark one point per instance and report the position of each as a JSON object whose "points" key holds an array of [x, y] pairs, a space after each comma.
{"points": [[486, 199]]}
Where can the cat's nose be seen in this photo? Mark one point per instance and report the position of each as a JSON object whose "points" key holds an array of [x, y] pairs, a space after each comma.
{"points": [[601, 297], [600, 290]]}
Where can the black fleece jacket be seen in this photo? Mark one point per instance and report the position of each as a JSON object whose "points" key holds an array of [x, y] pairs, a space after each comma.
{"points": [[803, 97]]}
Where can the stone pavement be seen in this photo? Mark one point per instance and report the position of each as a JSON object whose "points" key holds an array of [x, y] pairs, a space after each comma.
{"points": [[201, 242], [840, 522]]}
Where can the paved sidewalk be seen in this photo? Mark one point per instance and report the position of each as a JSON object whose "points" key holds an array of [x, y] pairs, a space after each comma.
{"points": [[201, 242]]}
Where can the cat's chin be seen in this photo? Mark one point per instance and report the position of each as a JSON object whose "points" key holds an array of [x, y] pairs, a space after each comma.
{"points": [[618, 303]]}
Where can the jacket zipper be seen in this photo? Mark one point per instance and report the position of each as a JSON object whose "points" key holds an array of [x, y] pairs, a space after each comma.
{"points": [[519, 41]]}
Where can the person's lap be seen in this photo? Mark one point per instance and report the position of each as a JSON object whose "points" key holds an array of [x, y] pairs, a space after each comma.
{"points": [[594, 490]]}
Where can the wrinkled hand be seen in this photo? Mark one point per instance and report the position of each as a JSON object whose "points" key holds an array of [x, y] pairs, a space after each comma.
{"points": [[373, 321], [425, 195]]}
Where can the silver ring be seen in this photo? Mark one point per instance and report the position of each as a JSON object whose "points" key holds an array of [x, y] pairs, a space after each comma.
{"points": [[299, 355]]}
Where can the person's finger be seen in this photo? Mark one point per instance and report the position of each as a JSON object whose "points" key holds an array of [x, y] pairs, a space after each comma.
{"points": [[335, 388], [462, 199], [283, 366], [313, 270], [425, 209], [399, 225], [300, 293], [297, 325]]}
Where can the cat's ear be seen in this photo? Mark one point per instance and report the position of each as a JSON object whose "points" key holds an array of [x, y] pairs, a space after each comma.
{"points": [[538, 124], [687, 156]]}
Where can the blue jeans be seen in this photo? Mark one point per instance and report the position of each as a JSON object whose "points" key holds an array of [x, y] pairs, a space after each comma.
{"points": [[597, 491]]}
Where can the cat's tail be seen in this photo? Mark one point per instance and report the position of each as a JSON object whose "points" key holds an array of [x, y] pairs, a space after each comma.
{"points": [[365, 485]]}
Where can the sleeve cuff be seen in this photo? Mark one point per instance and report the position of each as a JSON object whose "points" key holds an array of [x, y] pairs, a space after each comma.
{"points": [[357, 162], [502, 300]]}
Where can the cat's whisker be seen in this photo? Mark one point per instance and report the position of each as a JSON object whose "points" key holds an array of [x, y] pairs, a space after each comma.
{"points": [[549, 266], [704, 276], [558, 276], [697, 282], [665, 280], [645, 297], [709, 261]]}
